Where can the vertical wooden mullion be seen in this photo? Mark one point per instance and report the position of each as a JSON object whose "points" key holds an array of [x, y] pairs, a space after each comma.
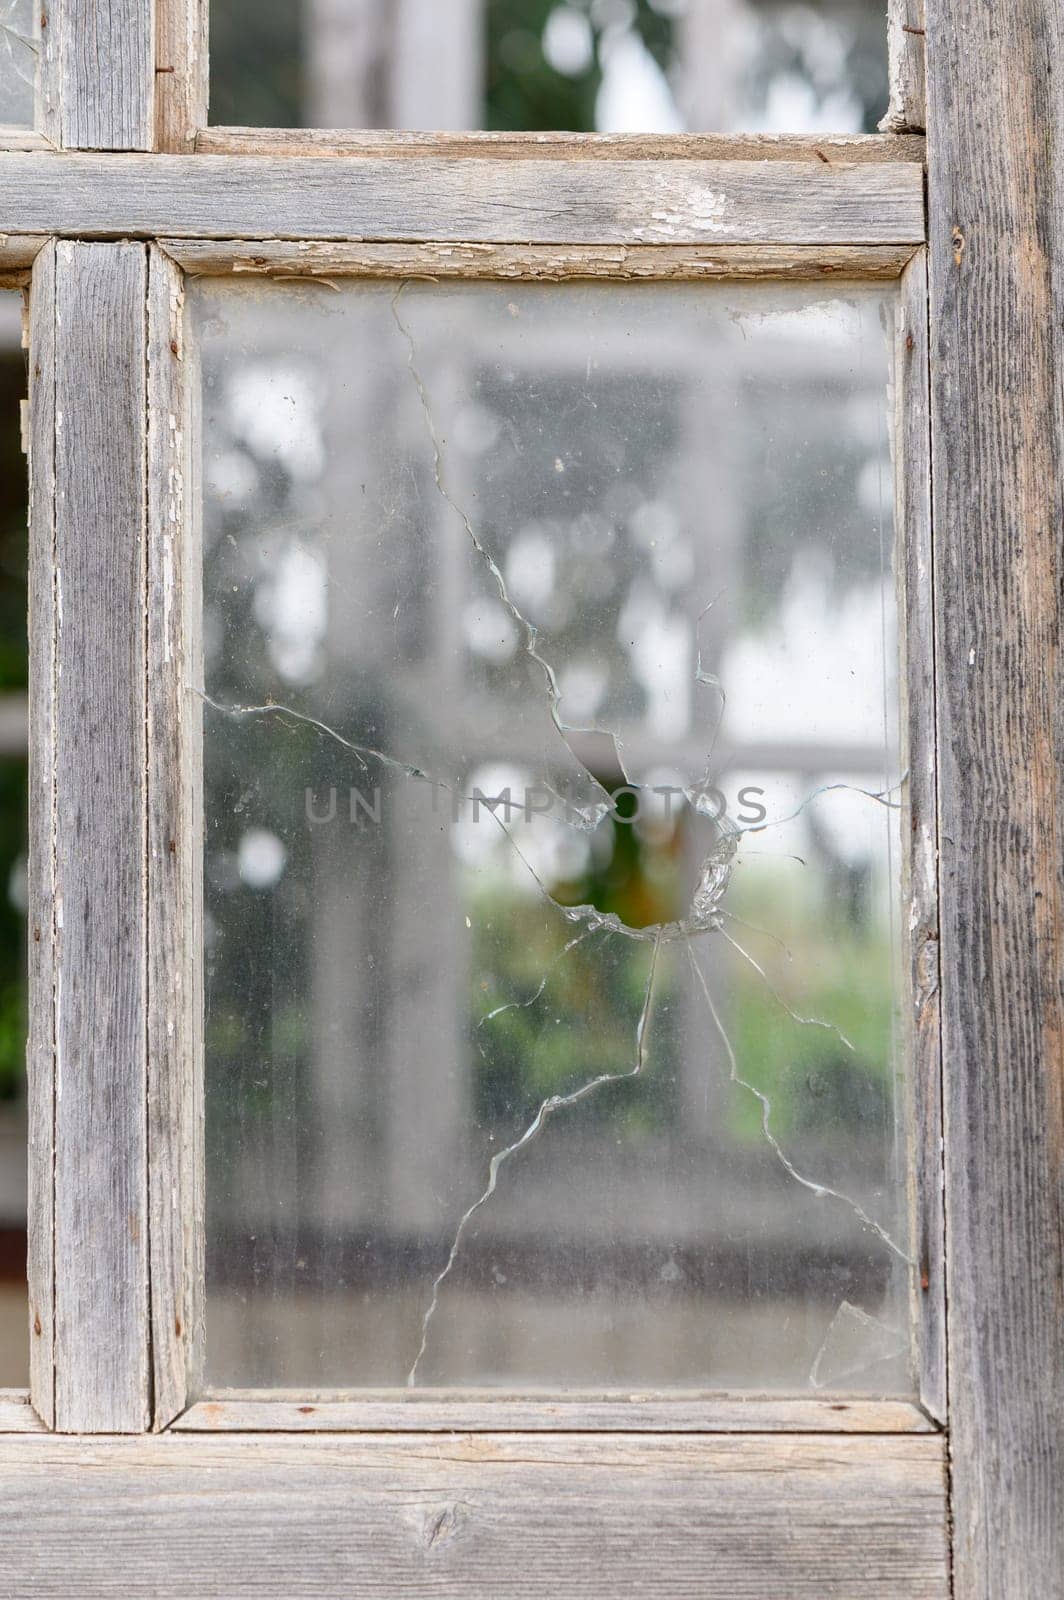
{"points": [[181, 73], [101, 1221], [919, 842], [97, 74], [906, 33], [41, 971], [996, 203], [175, 805]]}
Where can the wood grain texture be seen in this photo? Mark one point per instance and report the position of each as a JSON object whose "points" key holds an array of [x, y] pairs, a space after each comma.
{"points": [[50, 71], [919, 830], [269, 1411], [100, 67], [22, 139], [506, 1517], [17, 1414], [326, 142], [101, 1222], [906, 32], [175, 851], [20, 250], [996, 189], [490, 202], [42, 925], [180, 73], [543, 263]]}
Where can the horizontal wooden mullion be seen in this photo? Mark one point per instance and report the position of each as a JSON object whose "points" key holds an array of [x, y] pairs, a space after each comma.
{"points": [[545, 263], [518, 1515], [18, 251], [532, 202], [237, 1411], [12, 138], [400, 142]]}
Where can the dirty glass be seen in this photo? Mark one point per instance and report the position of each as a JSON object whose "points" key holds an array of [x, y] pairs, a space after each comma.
{"points": [[612, 66], [552, 837], [18, 63]]}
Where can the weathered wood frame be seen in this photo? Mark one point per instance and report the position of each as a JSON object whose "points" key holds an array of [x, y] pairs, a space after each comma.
{"points": [[98, 1386], [864, 1499]]}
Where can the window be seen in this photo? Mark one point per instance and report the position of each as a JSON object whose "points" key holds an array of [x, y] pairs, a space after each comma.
{"points": [[571, 549], [615, 66], [542, 861]]}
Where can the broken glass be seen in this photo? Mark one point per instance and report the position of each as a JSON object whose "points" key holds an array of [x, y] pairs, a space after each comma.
{"points": [[552, 861], [18, 63]]}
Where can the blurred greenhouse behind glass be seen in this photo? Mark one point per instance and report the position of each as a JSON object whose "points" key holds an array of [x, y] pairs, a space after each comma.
{"points": [[545, 545], [611, 66]]}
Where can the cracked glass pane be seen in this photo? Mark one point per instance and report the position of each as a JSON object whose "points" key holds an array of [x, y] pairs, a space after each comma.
{"points": [[552, 837], [18, 63]]}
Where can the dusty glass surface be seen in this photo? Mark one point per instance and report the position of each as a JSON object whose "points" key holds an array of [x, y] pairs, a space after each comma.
{"points": [[552, 837], [612, 66], [18, 63]]}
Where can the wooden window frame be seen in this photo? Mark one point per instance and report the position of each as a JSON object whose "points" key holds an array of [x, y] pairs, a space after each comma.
{"points": [[120, 192]]}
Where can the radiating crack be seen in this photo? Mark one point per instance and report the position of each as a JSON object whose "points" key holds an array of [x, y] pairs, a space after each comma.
{"points": [[528, 630], [548, 1108], [765, 933], [522, 1005], [704, 916], [360, 751], [795, 1016], [821, 1190], [881, 795]]}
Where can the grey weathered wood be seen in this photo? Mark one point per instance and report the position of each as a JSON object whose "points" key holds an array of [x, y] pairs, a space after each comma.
{"points": [[41, 922], [50, 72], [101, 1303], [996, 195], [327, 142], [507, 1517], [20, 250], [17, 1414], [912, 467], [484, 201], [97, 78], [550, 263], [906, 30], [22, 139], [180, 73], [234, 1411], [175, 851]]}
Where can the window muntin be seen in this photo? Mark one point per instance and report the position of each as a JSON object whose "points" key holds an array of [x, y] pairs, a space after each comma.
{"points": [[13, 1329], [686, 491]]}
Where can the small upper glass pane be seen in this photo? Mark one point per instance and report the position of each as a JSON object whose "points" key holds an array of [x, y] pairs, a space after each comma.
{"points": [[612, 66], [18, 63], [552, 858]]}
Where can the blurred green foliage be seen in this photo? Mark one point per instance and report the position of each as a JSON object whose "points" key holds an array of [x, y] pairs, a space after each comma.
{"points": [[257, 59], [835, 966], [256, 63], [524, 91]]}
